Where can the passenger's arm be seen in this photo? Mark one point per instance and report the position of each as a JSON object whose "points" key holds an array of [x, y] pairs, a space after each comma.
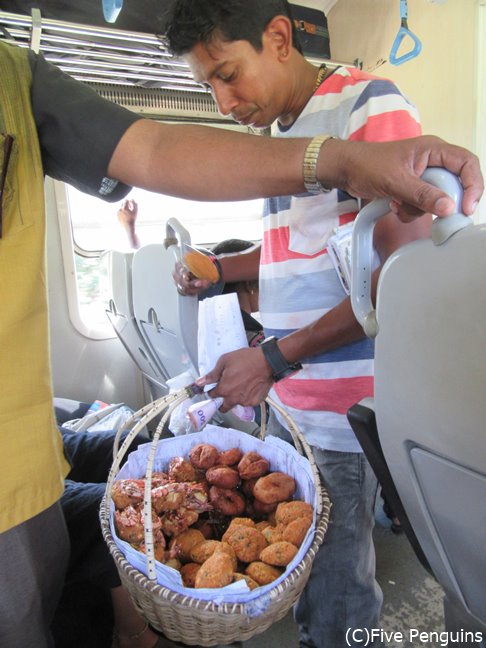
{"points": [[204, 163]]}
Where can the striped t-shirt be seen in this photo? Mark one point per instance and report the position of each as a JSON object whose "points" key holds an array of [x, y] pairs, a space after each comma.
{"points": [[298, 283]]}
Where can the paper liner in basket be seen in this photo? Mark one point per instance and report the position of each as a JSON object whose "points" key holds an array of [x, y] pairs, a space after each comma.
{"points": [[282, 457]]}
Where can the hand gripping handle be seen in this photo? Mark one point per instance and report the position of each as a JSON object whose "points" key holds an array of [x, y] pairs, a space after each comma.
{"points": [[362, 242]]}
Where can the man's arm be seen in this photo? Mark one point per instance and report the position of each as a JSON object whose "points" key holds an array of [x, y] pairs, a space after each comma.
{"points": [[244, 376], [240, 266], [205, 163]]}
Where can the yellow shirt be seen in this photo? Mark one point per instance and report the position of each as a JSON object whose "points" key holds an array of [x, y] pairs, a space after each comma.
{"points": [[33, 464]]}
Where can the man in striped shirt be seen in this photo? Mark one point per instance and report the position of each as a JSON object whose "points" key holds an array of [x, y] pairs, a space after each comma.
{"points": [[246, 52]]}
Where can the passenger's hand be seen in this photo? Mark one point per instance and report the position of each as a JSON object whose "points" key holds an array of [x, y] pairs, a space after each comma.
{"points": [[186, 283], [127, 214], [243, 377], [371, 170]]}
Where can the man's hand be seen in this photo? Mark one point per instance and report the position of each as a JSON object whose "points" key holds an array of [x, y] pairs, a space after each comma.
{"points": [[371, 170], [243, 377], [186, 283]]}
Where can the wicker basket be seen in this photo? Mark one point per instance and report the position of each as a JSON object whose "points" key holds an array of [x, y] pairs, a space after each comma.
{"points": [[186, 618]]}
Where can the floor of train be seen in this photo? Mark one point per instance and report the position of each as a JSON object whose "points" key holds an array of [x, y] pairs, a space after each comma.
{"points": [[412, 599]]}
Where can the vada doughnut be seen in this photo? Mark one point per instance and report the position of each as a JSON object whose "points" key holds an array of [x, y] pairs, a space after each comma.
{"points": [[274, 487], [262, 573], [260, 509], [204, 456], [223, 476], [228, 549], [247, 486], [189, 573], [216, 571], [247, 543], [227, 501], [251, 465], [288, 511], [278, 554], [230, 457]]}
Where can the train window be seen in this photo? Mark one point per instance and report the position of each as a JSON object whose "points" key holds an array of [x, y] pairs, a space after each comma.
{"points": [[91, 228]]}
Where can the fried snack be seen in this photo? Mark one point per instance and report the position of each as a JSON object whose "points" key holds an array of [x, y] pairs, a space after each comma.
{"points": [[274, 487], [230, 457], [273, 533], [252, 465], [278, 554], [189, 573], [175, 522], [249, 581], [223, 476], [183, 543], [160, 553], [247, 486], [204, 456], [167, 497], [296, 530], [174, 563], [260, 526], [216, 571], [181, 470], [126, 492], [260, 509], [288, 511], [262, 573], [206, 528], [159, 478], [241, 521], [227, 501], [228, 549], [203, 550], [129, 524], [247, 542]]}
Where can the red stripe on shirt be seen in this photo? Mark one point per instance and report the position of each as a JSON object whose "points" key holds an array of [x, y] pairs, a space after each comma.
{"points": [[394, 125], [330, 395], [275, 247]]}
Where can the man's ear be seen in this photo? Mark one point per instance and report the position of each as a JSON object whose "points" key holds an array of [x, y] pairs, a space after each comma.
{"points": [[278, 35]]}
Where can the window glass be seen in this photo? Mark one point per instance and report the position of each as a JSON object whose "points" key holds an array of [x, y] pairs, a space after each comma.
{"points": [[96, 227]]}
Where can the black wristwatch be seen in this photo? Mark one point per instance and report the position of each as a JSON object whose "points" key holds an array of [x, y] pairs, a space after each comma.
{"points": [[280, 367]]}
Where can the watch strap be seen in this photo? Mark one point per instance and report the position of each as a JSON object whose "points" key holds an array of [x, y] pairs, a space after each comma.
{"points": [[280, 367], [311, 155]]}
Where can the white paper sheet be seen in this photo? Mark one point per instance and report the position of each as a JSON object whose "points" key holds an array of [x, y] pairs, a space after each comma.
{"points": [[220, 330]]}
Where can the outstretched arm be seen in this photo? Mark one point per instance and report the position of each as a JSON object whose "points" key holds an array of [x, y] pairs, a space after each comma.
{"points": [[205, 163]]}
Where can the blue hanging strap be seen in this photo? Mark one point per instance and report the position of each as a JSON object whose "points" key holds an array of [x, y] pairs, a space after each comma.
{"points": [[404, 32], [111, 9]]}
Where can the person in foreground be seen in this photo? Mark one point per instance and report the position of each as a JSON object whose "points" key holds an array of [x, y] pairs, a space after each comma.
{"points": [[247, 53], [53, 125]]}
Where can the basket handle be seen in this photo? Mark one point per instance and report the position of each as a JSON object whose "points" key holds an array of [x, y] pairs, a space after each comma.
{"points": [[301, 446]]}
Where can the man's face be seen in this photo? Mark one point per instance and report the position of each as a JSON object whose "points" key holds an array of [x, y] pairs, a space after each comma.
{"points": [[245, 83]]}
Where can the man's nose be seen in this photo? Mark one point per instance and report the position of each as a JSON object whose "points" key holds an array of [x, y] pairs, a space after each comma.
{"points": [[224, 99]]}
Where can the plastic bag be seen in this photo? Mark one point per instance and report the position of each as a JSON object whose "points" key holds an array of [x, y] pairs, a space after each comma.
{"points": [[179, 422]]}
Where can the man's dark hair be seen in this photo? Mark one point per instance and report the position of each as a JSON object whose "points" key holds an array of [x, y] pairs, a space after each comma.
{"points": [[229, 246], [198, 21]]}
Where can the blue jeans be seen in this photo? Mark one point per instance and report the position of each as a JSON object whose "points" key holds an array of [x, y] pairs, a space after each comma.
{"points": [[342, 592]]}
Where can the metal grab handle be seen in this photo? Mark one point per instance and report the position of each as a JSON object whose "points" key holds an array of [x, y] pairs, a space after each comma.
{"points": [[362, 242], [404, 32]]}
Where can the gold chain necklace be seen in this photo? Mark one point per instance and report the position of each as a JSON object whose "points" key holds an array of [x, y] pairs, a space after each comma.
{"points": [[321, 75]]}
